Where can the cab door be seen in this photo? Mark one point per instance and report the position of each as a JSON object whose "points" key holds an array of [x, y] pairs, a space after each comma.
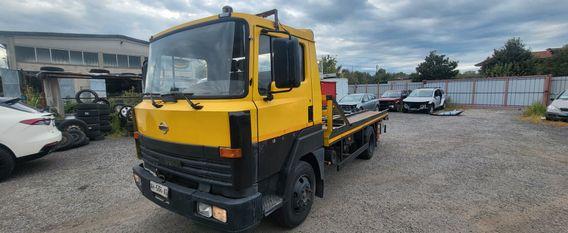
{"points": [[282, 117]]}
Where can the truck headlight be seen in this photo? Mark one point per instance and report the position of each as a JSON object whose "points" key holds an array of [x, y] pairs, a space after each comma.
{"points": [[204, 210], [552, 108]]}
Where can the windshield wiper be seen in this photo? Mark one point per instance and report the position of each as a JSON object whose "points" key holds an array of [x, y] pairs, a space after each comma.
{"points": [[195, 106], [154, 103]]}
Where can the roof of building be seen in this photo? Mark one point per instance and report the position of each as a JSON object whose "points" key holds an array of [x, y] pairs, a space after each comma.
{"points": [[72, 35]]}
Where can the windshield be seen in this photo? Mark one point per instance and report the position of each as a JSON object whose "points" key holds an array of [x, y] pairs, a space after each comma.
{"points": [[351, 98], [208, 61], [563, 96], [422, 93], [391, 94]]}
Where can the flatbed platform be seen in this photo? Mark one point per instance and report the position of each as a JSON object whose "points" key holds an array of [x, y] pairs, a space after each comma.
{"points": [[345, 125]]}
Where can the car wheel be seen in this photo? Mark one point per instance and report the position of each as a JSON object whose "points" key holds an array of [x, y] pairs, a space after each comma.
{"points": [[7, 163], [444, 105], [377, 108], [371, 140], [431, 109], [298, 196]]}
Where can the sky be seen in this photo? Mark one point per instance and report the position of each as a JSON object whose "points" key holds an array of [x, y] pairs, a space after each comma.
{"points": [[394, 35]]}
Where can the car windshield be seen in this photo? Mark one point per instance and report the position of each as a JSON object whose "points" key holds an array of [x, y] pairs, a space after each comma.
{"points": [[351, 98], [563, 96], [422, 93], [391, 94], [208, 61]]}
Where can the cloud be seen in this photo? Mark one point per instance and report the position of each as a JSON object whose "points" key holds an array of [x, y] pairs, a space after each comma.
{"points": [[395, 35]]}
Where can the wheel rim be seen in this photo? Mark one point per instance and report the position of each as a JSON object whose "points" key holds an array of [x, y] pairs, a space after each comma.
{"points": [[302, 195]]}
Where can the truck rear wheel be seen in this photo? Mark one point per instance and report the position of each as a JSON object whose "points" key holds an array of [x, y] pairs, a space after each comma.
{"points": [[368, 153], [7, 164], [298, 196]]}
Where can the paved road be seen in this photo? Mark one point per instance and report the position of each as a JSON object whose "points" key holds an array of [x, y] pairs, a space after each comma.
{"points": [[481, 172]]}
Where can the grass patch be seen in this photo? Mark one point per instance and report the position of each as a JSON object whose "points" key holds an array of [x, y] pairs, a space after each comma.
{"points": [[535, 110], [535, 114]]}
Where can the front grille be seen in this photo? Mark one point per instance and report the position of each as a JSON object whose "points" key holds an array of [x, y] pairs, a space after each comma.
{"points": [[196, 168], [564, 109], [414, 105], [347, 107], [385, 104]]}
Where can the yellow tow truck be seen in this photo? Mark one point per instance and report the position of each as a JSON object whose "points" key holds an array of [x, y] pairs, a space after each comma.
{"points": [[233, 126]]}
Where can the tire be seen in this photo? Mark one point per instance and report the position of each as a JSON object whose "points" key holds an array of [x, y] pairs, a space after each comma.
{"points": [[99, 71], [93, 127], [431, 109], [443, 106], [7, 164], [51, 68], [87, 106], [104, 118], [90, 120], [298, 196], [106, 128], [84, 142], [371, 140], [66, 141], [104, 109], [377, 108], [87, 113], [78, 137], [65, 125], [96, 136], [103, 101], [78, 95]]}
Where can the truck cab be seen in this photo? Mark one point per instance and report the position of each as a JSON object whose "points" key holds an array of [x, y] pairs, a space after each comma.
{"points": [[230, 129]]}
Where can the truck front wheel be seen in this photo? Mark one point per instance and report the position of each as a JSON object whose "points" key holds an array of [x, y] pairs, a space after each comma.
{"points": [[299, 196]]}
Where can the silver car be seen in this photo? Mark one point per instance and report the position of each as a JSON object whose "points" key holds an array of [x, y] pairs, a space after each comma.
{"points": [[358, 102], [558, 109], [425, 100]]}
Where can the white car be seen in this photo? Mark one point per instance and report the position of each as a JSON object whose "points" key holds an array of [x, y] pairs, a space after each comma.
{"points": [[25, 134], [425, 99]]}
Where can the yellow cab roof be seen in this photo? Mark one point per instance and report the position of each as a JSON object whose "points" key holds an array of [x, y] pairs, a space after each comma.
{"points": [[253, 20]]}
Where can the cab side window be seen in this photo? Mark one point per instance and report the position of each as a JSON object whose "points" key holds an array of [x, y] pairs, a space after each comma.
{"points": [[265, 64]]}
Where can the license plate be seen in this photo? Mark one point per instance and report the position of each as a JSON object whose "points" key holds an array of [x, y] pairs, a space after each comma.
{"points": [[159, 189]]}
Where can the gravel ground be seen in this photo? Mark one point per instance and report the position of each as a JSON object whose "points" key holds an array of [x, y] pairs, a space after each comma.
{"points": [[484, 171]]}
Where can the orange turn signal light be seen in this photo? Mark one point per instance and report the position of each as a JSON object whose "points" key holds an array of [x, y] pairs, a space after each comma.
{"points": [[136, 135], [230, 153]]}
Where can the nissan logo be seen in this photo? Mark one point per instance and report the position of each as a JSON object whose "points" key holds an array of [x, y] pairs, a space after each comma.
{"points": [[163, 127]]}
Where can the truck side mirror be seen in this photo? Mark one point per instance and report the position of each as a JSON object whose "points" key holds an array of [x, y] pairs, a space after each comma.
{"points": [[287, 62]]}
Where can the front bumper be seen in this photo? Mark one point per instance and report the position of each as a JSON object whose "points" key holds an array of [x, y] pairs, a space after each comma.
{"points": [[414, 107], [557, 115], [388, 105], [242, 213]]}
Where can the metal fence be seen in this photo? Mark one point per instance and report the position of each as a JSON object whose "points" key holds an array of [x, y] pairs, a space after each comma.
{"points": [[487, 92]]}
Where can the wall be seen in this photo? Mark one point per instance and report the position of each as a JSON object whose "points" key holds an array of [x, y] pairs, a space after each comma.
{"points": [[488, 92]]}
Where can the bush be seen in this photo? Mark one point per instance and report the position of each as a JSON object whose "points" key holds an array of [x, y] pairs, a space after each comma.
{"points": [[536, 109]]}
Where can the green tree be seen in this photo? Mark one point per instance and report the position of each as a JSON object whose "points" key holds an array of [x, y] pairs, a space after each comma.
{"points": [[329, 64], [559, 62], [513, 59], [437, 66]]}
